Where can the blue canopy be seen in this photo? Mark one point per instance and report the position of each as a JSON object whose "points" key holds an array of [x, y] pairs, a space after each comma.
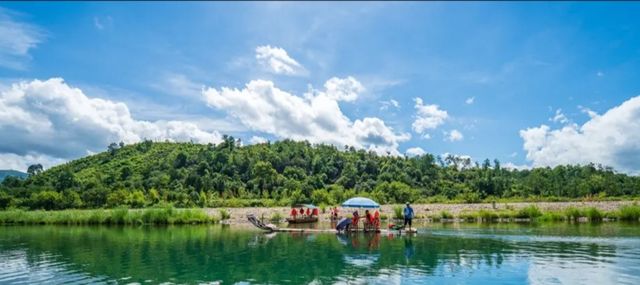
{"points": [[360, 202]]}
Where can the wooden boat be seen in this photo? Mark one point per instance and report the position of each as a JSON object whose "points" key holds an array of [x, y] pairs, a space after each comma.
{"points": [[303, 220]]}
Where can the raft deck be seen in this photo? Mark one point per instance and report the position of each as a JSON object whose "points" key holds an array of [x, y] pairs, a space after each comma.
{"points": [[301, 230], [273, 228]]}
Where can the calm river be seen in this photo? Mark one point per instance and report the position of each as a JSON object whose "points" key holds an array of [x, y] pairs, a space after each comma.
{"points": [[439, 254]]}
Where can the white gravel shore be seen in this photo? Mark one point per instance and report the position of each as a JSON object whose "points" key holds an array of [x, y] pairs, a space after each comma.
{"points": [[238, 215]]}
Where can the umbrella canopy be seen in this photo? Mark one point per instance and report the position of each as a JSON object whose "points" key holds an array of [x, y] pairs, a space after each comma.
{"points": [[360, 202]]}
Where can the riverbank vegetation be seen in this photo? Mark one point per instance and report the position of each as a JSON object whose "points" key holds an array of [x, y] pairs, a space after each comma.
{"points": [[166, 215], [282, 173], [629, 213]]}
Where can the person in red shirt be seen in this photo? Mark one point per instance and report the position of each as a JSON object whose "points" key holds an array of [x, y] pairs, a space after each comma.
{"points": [[376, 219], [368, 219], [308, 212], [315, 212], [355, 219], [294, 213]]}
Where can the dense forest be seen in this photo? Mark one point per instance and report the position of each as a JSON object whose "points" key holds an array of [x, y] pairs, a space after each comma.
{"points": [[287, 172]]}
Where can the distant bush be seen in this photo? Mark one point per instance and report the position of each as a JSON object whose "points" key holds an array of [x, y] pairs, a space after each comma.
{"points": [[119, 216], [629, 213], [551, 217], [46, 200], [529, 212], [468, 216], [487, 215], [446, 215], [573, 213], [398, 212], [276, 217], [224, 214], [5, 200], [593, 214]]}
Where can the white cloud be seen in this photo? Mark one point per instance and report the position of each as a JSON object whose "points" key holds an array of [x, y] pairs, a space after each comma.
{"points": [[453, 136], [51, 119], [22, 162], [427, 117], [98, 23], [276, 60], [611, 139], [460, 161], [510, 165], [257, 140], [415, 151], [470, 100], [315, 117], [600, 73], [343, 89], [592, 114], [385, 105], [16, 40], [102, 23], [559, 117]]}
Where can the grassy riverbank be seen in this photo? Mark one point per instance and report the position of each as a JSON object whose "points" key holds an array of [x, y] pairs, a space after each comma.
{"points": [[120, 216], [512, 212], [534, 213]]}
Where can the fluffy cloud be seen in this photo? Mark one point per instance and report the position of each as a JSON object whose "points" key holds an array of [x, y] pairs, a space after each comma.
{"points": [[415, 151], [385, 105], [511, 165], [611, 139], [22, 162], [592, 114], [102, 23], [453, 136], [276, 60], [52, 119], [428, 117], [559, 117], [315, 117], [257, 140], [16, 39], [343, 89], [470, 100]]}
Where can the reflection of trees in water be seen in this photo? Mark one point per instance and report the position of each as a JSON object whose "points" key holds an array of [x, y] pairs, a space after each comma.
{"points": [[212, 253]]}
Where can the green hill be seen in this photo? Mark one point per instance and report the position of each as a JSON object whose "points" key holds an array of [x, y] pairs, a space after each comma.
{"points": [[285, 172], [15, 173]]}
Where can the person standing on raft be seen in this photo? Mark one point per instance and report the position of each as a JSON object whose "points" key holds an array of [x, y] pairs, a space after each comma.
{"points": [[408, 215]]}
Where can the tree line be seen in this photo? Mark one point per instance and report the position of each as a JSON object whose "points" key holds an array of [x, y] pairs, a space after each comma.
{"points": [[287, 172]]}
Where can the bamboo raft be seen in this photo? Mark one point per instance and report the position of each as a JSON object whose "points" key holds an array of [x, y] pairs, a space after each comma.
{"points": [[303, 220], [273, 228]]}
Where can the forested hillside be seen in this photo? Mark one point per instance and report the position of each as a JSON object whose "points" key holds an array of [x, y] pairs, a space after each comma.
{"points": [[286, 172]]}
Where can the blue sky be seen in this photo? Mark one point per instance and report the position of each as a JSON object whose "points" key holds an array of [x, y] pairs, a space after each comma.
{"points": [[531, 84]]}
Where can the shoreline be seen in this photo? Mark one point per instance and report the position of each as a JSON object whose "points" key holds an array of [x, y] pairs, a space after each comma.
{"points": [[482, 212], [422, 211]]}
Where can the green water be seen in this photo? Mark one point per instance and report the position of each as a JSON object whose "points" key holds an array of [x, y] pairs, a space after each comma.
{"points": [[439, 254]]}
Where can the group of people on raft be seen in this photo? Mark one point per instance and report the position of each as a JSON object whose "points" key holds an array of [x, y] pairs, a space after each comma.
{"points": [[371, 220], [308, 213]]}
